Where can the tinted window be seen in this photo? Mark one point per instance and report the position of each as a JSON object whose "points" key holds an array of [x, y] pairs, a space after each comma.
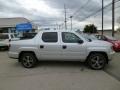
{"points": [[4, 37], [69, 37], [12, 36], [50, 37]]}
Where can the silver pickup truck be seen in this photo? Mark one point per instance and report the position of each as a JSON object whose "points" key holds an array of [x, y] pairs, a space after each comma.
{"points": [[62, 46]]}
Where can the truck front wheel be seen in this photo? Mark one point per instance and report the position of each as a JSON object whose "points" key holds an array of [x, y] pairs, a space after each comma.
{"points": [[97, 61], [28, 60]]}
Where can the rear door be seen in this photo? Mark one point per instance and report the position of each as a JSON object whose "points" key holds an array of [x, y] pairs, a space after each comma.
{"points": [[49, 47]]}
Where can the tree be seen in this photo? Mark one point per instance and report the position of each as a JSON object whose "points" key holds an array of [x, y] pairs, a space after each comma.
{"points": [[91, 28]]}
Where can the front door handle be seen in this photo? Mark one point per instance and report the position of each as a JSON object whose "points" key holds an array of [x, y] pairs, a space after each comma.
{"points": [[64, 46], [41, 46]]}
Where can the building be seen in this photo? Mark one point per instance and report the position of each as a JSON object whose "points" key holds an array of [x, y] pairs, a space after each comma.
{"points": [[7, 25], [106, 32]]}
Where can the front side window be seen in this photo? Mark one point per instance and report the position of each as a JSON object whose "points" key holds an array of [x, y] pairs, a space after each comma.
{"points": [[68, 37], [50, 37]]}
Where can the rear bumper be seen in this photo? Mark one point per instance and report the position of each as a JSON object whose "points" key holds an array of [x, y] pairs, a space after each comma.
{"points": [[13, 55]]}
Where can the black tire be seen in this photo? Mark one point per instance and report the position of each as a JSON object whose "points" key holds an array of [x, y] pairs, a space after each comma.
{"points": [[28, 60], [97, 61]]}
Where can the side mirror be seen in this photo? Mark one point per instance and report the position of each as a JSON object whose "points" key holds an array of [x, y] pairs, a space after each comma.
{"points": [[80, 41]]}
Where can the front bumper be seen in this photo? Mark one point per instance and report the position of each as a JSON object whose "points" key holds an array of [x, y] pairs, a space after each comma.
{"points": [[117, 49], [111, 55]]}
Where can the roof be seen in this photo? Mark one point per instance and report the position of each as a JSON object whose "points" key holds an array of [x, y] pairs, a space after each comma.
{"points": [[11, 22], [57, 31]]}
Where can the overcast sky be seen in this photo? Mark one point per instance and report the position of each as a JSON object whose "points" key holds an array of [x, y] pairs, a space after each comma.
{"points": [[49, 12]]}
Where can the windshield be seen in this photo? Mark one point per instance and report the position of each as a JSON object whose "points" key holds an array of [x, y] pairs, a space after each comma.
{"points": [[88, 37], [16, 36], [92, 37]]}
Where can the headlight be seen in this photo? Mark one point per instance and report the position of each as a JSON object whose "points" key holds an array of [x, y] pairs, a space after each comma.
{"points": [[116, 44]]}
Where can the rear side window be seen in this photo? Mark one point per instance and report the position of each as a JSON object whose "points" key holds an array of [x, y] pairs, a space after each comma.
{"points": [[50, 37]]}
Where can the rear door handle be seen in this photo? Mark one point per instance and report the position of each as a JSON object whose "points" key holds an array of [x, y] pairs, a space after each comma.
{"points": [[41, 46], [64, 46]]}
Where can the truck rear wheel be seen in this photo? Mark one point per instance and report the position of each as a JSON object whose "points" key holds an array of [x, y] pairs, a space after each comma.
{"points": [[97, 61], [28, 60]]}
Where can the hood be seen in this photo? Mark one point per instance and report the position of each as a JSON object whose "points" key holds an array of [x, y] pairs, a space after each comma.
{"points": [[100, 43]]}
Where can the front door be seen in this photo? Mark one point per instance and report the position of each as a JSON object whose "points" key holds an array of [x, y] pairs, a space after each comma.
{"points": [[71, 49]]}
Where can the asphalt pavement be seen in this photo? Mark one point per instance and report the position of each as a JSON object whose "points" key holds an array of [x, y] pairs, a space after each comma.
{"points": [[113, 68], [54, 76]]}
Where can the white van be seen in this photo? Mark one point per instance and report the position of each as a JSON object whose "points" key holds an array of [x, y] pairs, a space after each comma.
{"points": [[5, 38]]}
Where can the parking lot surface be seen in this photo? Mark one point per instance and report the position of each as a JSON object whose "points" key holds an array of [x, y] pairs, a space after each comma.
{"points": [[53, 76], [113, 68]]}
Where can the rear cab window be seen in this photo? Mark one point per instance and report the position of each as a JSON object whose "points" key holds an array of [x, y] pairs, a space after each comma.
{"points": [[50, 37]]}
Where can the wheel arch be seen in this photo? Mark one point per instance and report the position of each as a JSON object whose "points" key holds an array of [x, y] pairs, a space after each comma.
{"points": [[26, 52], [101, 52]]}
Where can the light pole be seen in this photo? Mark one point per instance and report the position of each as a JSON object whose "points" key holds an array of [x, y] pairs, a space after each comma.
{"points": [[113, 17], [71, 21], [102, 15], [65, 17]]}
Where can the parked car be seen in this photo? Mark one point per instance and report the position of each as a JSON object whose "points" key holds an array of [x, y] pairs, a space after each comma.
{"points": [[62, 46], [114, 41], [5, 38]]}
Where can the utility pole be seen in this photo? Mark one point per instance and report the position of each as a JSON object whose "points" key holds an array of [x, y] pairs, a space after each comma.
{"points": [[113, 17], [59, 27], [65, 17], [71, 21], [102, 15]]}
